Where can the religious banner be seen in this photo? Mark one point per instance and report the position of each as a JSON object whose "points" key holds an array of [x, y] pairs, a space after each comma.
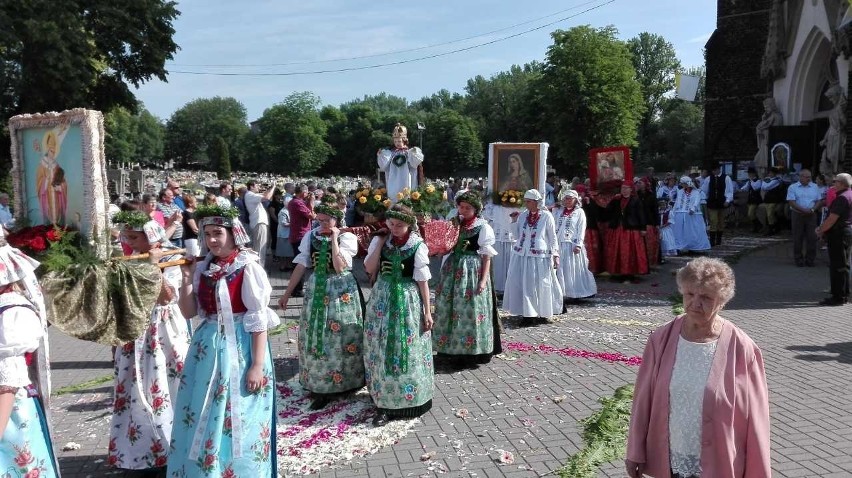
{"points": [[516, 167], [609, 167], [59, 172]]}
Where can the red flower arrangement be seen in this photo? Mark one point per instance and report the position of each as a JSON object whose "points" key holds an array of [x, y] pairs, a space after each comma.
{"points": [[36, 239]]}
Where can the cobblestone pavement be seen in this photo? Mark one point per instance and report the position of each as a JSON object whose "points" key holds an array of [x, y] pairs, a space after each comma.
{"points": [[514, 402]]}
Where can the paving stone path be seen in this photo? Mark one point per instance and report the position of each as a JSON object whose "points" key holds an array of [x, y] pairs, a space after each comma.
{"points": [[528, 402]]}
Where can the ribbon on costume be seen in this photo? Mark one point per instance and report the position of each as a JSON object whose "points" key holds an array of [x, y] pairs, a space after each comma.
{"points": [[397, 341], [316, 332], [225, 318]]}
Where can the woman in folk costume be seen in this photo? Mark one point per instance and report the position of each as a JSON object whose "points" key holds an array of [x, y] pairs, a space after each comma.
{"points": [[148, 370], [397, 337], [592, 241], [668, 245], [331, 326], [25, 447], [575, 278], [400, 163], [532, 289], [648, 198], [225, 423], [690, 231], [626, 254], [467, 327]]}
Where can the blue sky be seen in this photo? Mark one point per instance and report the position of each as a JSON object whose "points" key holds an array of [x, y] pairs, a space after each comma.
{"points": [[288, 32]]}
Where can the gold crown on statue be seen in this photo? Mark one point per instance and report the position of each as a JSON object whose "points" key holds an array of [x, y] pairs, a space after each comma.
{"points": [[399, 131]]}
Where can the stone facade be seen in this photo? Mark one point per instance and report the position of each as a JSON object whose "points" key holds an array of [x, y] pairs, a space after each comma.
{"points": [[734, 88]]}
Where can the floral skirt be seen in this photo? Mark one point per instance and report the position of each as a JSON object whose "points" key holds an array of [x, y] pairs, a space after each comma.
{"points": [[147, 377], [25, 448], [397, 352], [331, 355], [626, 253], [237, 428], [464, 320]]}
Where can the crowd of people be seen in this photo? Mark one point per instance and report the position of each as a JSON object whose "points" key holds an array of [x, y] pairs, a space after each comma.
{"points": [[202, 402]]}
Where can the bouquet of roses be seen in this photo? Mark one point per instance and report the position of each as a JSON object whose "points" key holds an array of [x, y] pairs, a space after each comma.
{"points": [[508, 198], [36, 239], [428, 199], [372, 201]]}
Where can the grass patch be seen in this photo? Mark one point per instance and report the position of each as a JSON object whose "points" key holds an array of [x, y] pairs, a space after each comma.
{"points": [[83, 386], [604, 436], [677, 303]]}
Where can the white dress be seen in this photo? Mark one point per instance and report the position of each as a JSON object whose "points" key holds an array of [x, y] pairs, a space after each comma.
{"points": [[400, 174], [690, 231], [148, 373], [574, 276], [504, 233], [532, 289], [686, 398]]}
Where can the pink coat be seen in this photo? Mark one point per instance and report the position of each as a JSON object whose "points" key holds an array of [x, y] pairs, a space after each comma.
{"points": [[735, 431]]}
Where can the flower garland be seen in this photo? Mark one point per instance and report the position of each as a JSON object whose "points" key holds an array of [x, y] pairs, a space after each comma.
{"points": [[309, 441], [508, 198], [612, 357]]}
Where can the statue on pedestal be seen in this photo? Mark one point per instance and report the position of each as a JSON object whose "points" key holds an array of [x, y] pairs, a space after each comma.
{"points": [[834, 141], [771, 117]]}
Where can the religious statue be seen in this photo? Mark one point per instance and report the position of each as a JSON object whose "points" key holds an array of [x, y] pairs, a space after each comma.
{"points": [[400, 163], [771, 117], [834, 141], [51, 187]]}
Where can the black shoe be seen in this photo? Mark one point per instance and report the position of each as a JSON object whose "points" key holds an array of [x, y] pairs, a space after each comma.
{"points": [[831, 302], [319, 403], [380, 420]]}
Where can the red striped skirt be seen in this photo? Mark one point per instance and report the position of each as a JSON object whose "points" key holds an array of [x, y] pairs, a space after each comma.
{"points": [[626, 253], [593, 250], [652, 244]]}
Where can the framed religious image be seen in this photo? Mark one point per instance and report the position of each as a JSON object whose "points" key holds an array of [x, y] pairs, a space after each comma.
{"points": [[609, 167], [517, 167], [781, 156], [59, 172]]}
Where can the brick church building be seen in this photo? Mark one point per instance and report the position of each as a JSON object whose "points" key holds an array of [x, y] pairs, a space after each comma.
{"points": [[778, 73]]}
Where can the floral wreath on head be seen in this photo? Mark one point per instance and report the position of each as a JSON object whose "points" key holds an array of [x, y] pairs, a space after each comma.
{"points": [[410, 219], [471, 198], [133, 220], [329, 211], [228, 217]]}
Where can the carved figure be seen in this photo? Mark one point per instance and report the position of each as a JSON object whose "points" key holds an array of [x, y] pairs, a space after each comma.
{"points": [[834, 141], [771, 117]]}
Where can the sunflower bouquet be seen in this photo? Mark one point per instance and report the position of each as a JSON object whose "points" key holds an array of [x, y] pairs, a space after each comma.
{"points": [[508, 198], [372, 201]]}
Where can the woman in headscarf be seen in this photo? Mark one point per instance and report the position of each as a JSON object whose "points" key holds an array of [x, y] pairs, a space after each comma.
{"points": [[688, 227], [148, 370], [226, 402], [626, 254], [532, 289], [467, 327], [397, 337], [25, 445], [574, 276], [331, 325]]}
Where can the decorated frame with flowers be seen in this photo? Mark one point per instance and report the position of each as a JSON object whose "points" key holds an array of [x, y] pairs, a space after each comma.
{"points": [[516, 167], [59, 172]]}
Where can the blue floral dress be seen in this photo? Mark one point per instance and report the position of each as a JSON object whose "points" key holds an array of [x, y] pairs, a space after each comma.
{"points": [[220, 429], [397, 351]]}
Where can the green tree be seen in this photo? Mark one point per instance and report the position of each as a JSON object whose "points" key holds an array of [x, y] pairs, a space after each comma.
{"points": [[220, 158], [440, 100], [291, 137], [192, 129], [681, 132], [133, 138], [382, 103], [589, 93], [452, 143], [656, 63], [354, 132], [71, 54]]}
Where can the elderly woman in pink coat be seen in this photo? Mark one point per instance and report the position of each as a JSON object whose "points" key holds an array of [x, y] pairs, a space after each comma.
{"points": [[701, 405]]}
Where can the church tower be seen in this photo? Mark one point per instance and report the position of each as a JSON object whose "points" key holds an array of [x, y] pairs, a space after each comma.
{"points": [[735, 89]]}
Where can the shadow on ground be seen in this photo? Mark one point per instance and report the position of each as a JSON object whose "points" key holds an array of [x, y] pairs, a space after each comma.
{"points": [[839, 351]]}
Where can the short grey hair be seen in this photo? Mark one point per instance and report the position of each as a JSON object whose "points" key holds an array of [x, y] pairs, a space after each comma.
{"points": [[844, 178], [710, 273]]}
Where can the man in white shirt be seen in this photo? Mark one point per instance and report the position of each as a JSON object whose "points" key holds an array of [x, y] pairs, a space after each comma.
{"points": [[718, 190], [224, 197], [773, 196], [258, 218], [805, 200], [7, 219]]}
